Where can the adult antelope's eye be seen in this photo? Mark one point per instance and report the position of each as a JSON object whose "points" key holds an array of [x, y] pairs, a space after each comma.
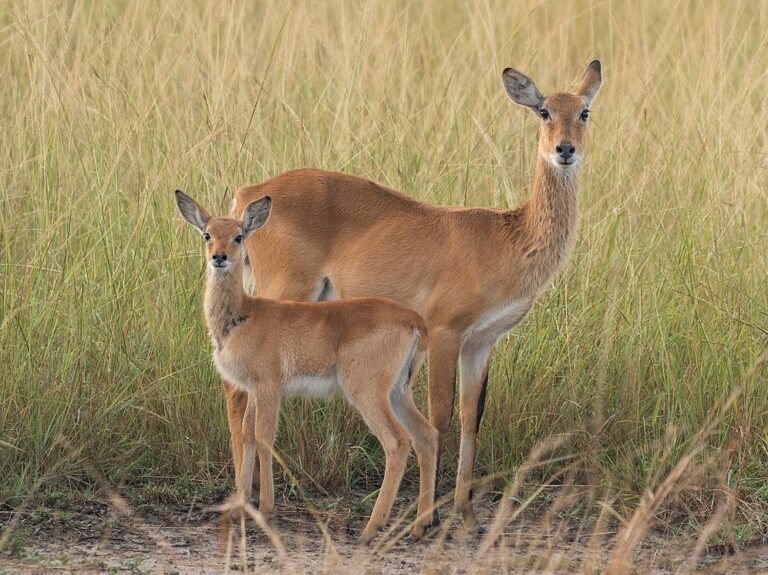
{"points": [[206, 236], [238, 239], [584, 115], [544, 114]]}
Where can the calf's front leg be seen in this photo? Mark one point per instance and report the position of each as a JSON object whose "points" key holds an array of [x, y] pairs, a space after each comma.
{"points": [[248, 458], [267, 414]]}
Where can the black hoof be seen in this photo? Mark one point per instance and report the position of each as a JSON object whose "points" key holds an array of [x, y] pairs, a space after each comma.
{"points": [[437, 531], [363, 541], [476, 529], [367, 539]]}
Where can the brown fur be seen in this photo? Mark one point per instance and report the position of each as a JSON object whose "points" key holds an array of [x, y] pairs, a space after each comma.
{"points": [[472, 273], [369, 349]]}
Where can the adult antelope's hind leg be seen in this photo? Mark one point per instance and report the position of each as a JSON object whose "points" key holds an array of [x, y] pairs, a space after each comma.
{"points": [[443, 355], [474, 363]]}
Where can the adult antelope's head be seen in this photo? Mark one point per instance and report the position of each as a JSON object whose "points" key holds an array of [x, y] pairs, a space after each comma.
{"points": [[224, 247], [564, 115]]}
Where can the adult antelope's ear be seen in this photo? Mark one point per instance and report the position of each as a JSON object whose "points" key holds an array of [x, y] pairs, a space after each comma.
{"points": [[590, 84], [256, 214], [521, 89], [191, 211]]}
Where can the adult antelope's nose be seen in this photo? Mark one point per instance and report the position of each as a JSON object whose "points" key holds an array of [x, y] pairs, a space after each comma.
{"points": [[219, 258], [565, 150]]}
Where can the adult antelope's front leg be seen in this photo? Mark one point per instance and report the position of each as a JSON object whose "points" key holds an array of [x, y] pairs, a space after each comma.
{"points": [[474, 362]]}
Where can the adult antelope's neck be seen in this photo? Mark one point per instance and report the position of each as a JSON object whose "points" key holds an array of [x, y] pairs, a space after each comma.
{"points": [[224, 297], [551, 215]]}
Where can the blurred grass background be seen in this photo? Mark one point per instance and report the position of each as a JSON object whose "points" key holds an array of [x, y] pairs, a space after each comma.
{"points": [[106, 108]]}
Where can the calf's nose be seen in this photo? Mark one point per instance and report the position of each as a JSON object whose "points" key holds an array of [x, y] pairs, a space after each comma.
{"points": [[565, 150]]}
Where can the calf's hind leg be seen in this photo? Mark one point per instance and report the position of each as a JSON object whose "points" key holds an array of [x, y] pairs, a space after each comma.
{"points": [[424, 438], [384, 424]]}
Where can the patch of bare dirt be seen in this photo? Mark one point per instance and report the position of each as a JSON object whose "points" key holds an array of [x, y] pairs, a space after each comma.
{"points": [[172, 539]]}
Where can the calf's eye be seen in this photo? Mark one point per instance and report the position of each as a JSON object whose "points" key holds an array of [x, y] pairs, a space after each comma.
{"points": [[238, 239], [584, 115], [206, 236]]}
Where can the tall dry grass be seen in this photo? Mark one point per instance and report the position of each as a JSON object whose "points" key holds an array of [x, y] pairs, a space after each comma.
{"points": [[106, 108]]}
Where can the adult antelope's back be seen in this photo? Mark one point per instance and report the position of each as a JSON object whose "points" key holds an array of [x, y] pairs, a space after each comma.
{"points": [[472, 273]]}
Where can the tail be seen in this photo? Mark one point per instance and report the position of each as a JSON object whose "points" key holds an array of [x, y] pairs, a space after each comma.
{"points": [[420, 328], [418, 350]]}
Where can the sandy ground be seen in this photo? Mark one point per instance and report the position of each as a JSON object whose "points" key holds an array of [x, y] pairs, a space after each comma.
{"points": [[172, 539]]}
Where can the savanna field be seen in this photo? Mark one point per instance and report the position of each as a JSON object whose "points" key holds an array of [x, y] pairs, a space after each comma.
{"points": [[633, 399]]}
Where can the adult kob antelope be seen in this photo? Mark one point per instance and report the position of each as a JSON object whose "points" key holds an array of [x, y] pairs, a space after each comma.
{"points": [[368, 349], [472, 273]]}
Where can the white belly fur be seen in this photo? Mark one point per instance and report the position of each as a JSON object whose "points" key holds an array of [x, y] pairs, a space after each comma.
{"points": [[317, 386], [492, 325]]}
